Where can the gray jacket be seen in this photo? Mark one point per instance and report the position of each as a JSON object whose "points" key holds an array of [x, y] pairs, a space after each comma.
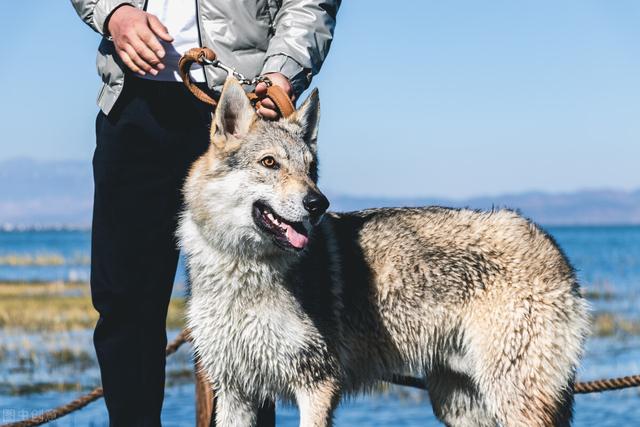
{"points": [[254, 36]]}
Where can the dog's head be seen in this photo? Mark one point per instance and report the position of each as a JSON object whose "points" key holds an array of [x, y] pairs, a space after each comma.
{"points": [[255, 188]]}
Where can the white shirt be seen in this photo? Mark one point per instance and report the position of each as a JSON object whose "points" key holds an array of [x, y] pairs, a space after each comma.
{"points": [[179, 16]]}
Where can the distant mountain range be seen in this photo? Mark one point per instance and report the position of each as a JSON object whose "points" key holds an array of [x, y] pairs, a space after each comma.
{"points": [[45, 194], [59, 194]]}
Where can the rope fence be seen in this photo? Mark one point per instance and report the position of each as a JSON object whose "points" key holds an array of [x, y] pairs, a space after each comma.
{"points": [[595, 386]]}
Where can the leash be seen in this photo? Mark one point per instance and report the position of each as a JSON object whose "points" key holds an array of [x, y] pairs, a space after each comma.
{"points": [[205, 56]]}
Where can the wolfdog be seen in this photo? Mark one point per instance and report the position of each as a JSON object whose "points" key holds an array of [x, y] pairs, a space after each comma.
{"points": [[292, 302]]}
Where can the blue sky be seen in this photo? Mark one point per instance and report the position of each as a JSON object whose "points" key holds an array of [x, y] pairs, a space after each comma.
{"points": [[419, 98]]}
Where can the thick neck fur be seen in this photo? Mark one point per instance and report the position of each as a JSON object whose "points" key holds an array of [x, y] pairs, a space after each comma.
{"points": [[217, 269], [248, 326]]}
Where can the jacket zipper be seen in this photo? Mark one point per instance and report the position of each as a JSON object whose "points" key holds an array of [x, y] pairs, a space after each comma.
{"points": [[272, 19], [198, 24]]}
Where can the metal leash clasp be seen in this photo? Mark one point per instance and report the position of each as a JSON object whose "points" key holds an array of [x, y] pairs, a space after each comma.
{"points": [[262, 79], [232, 72]]}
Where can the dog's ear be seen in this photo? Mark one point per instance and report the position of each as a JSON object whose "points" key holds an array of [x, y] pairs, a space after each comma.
{"points": [[308, 116], [234, 113]]}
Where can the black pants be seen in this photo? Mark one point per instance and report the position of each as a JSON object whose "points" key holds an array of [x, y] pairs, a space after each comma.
{"points": [[143, 152]]}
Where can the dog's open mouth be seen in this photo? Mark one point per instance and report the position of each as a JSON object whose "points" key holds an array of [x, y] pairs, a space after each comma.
{"points": [[287, 235]]}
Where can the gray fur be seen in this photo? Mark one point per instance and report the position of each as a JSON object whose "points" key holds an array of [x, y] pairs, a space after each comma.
{"points": [[482, 304]]}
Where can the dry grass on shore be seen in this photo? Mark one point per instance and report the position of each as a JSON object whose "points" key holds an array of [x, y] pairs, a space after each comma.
{"points": [[57, 306], [52, 307], [40, 260], [607, 324]]}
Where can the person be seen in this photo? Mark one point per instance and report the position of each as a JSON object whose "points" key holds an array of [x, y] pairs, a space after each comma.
{"points": [[148, 132]]}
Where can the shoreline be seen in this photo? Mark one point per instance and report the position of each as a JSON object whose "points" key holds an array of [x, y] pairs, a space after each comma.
{"points": [[49, 307], [59, 306]]}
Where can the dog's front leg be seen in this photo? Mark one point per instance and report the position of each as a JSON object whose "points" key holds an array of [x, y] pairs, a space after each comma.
{"points": [[232, 409], [317, 402]]}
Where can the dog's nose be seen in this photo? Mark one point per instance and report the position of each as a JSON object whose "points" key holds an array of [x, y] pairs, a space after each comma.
{"points": [[315, 203]]}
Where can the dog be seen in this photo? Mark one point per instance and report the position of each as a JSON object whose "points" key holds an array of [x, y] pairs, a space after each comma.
{"points": [[289, 301]]}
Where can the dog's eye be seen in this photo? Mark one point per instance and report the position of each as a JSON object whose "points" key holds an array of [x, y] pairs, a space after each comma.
{"points": [[269, 162]]}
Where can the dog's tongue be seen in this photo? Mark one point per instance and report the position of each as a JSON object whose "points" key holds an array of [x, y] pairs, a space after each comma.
{"points": [[296, 239]]}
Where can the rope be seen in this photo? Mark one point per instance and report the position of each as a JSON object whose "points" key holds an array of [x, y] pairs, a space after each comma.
{"points": [[84, 400], [607, 384], [585, 387], [403, 380]]}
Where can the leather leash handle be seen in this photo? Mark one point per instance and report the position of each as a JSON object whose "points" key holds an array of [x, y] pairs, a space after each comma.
{"points": [[197, 55], [279, 97], [201, 54]]}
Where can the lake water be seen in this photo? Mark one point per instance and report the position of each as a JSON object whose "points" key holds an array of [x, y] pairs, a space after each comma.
{"points": [[607, 260], [53, 255]]}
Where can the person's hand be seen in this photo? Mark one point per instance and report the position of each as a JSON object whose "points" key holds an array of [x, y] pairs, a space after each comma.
{"points": [[135, 34], [268, 109]]}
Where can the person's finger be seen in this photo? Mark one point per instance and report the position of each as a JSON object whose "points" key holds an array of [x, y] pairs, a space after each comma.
{"points": [[153, 45], [281, 80], [268, 103], [145, 53], [159, 29], [268, 114], [129, 63], [261, 89], [138, 60]]}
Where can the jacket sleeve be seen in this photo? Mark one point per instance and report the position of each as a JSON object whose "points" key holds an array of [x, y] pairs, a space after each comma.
{"points": [[303, 34], [95, 12]]}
